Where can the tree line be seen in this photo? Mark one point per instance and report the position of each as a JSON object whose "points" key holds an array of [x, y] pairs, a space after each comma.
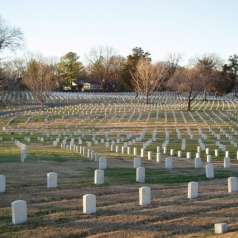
{"points": [[112, 72]]}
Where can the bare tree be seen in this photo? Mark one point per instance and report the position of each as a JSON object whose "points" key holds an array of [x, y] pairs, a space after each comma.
{"points": [[10, 37], [147, 77], [172, 64], [105, 66], [207, 65], [40, 79], [13, 71], [188, 82]]}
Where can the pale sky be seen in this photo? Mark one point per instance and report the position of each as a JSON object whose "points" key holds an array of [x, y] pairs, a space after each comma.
{"points": [[188, 27]]}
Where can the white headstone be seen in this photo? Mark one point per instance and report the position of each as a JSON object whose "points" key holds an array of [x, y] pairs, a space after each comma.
{"points": [[135, 151], [102, 163], [52, 180], [158, 157], [220, 228], [112, 147], [2, 183], [128, 150], [149, 155], [179, 153], [89, 203], [192, 190], [122, 149], [209, 171], [19, 212], [188, 155], [99, 176], [23, 154], [232, 184], [171, 152], [227, 162], [197, 163], [140, 175], [142, 152], [144, 196], [88, 153], [209, 158]]}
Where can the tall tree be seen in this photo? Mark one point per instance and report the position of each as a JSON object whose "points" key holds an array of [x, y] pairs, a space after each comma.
{"points": [[105, 67], [221, 83], [131, 63], [40, 78], [3, 80], [13, 71], [187, 81], [171, 64], [146, 78], [115, 82], [207, 65], [232, 70], [69, 68]]}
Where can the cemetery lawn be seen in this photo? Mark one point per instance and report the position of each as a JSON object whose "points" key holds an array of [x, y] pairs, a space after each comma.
{"points": [[58, 212], [95, 123]]}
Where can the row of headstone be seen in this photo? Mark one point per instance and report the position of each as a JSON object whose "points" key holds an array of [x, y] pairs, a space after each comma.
{"points": [[19, 207]]}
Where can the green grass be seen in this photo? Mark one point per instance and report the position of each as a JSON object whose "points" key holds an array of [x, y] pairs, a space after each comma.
{"points": [[11, 153], [57, 155], [161, 176]]}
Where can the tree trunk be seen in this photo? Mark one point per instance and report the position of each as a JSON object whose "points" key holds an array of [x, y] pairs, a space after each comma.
{"points": [[42, 104], [189, 105], [236, 89], [189, 101], [205, 95], [147, 99]]}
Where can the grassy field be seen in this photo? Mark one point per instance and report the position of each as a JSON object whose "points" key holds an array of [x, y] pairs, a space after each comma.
{"points": [[58, 212]]}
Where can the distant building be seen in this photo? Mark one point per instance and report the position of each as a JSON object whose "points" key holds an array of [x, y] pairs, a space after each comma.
{"points": [[87, 86]]}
